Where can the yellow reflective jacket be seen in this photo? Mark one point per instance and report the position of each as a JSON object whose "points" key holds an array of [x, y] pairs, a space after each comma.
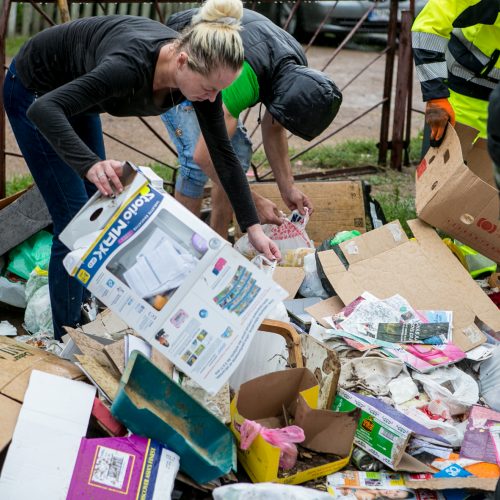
{"points": [[456, 45]]}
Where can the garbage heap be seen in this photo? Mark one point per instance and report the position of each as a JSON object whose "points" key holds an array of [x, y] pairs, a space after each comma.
{"points": [[364, 367]]}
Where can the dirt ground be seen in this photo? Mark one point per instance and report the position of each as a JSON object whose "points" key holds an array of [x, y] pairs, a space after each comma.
{"points": [[363, 93]]}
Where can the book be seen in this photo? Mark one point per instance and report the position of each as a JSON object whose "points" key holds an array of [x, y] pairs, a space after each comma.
{"points": [[124, 467]]}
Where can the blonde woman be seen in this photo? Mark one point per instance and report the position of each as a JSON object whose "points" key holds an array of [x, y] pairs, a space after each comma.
{"points": [[126, 66]]}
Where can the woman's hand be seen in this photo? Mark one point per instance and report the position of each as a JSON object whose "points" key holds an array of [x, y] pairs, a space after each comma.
{"points": [[105, 175], [263, 243]]}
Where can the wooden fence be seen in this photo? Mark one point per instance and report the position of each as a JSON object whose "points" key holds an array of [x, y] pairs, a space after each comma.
{"points": [[24, 20]]}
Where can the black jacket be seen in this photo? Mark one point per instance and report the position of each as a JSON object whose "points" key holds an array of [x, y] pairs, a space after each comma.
{"points": [[303, 100]]}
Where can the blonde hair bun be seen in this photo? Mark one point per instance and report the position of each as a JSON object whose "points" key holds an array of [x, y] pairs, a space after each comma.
{"points": [[220, 11]]}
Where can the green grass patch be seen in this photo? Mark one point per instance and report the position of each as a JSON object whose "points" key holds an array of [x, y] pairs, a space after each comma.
{"points": [[13, 44], [18, 183]]}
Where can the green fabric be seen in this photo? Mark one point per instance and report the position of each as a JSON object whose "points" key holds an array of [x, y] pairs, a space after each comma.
{"points": [[243, 93]]}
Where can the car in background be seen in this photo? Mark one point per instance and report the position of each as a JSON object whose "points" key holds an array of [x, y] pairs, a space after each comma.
{"points": [[340, 20]]}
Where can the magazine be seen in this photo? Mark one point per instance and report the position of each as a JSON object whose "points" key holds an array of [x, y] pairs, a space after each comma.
{"points": [[357, 485], [424, 357]]}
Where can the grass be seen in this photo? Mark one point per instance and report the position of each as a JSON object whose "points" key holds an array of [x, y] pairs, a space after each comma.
{"points": [[394, 190], [13, 44]]}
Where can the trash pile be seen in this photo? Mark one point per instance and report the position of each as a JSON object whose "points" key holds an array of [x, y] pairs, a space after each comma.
{"points": [[363, 367]]}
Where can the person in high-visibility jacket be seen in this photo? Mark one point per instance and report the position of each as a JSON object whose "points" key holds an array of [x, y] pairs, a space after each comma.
{"points": [[494, 132], [456, 48]]}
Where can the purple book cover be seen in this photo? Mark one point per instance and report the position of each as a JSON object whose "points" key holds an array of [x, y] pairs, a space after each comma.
{"points": [[112, 468], [477, 443]]}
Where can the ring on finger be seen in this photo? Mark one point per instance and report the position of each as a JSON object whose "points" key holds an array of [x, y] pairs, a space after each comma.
{"points": [[102, 174]]}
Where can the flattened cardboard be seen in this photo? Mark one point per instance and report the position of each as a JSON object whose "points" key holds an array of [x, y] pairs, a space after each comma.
{"points": [[21, 216], [423, 270], [18, 360], [460, 199], [297, 391], [324, 363], [338, 206], [103, 378], [9, 412], [91, 348], [116, 354], [289, 278]]}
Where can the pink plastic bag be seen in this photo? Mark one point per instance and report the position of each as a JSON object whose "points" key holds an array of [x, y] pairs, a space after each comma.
{"points": [[289, 236], [283, 438]]}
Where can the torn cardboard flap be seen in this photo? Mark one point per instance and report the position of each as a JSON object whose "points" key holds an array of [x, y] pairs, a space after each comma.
{"points": [[18, 360], [459, 198], [289, 278], [326, 431], [423, 271], [282, 388], [325, 308]]}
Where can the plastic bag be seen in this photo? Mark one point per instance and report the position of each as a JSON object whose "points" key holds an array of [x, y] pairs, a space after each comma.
{"points": [[311, 286], [267, 491], [283, 438], [35, 251], [12, 292], [463, 393], [279, 313], [38, 314], [289, 236]]}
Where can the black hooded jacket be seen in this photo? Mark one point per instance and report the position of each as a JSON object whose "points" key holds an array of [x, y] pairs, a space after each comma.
{"points": [[303, 100]]}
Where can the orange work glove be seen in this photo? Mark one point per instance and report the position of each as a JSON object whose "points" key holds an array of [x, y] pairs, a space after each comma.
{"points": [[438, 113]]}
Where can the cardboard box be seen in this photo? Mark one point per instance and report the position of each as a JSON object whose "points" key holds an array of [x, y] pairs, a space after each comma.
{"points": [[297, 391], [21, 216], [125, 250], [455, 192], [151, 404], [124, 467], [423, 270], [338, 205], [384, 432], [53, 419]]}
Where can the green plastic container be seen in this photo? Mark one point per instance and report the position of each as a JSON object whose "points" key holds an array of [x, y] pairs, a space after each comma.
{"points": [[151, 404]]}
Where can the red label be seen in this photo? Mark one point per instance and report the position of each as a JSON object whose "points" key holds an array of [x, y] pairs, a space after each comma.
{"points": [[421, 168], [486, 225]]}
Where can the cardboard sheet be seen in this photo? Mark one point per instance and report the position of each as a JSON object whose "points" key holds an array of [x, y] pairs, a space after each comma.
{"points": [[52, 421], [18, 360], [423, 270]]}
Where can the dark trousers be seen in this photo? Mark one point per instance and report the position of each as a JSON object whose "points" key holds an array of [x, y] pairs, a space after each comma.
{"points": [[63, 190]]}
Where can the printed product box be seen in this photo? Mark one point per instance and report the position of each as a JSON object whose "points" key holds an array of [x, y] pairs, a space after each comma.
{"points": [[384, 432], [295, 390], [170, 277]]}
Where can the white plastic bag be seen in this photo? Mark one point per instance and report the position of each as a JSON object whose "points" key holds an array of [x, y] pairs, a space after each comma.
{"points": [[12, 292], [464, 389], [279, 313], [311, 285], [267, 491], [38, 314], [289, 236], [453, 432]]}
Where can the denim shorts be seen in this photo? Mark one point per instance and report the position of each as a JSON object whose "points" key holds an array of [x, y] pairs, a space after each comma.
{"points": [[183, 129]]}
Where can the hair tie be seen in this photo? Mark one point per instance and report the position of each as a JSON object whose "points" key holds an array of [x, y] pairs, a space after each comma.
{"points": [[224, 20]]}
